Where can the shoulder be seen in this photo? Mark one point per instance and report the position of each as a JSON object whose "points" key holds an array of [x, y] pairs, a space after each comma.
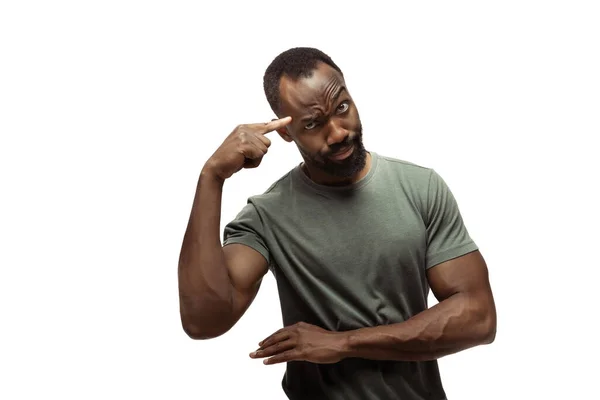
{"points": [[275, 193], [409, 173], [393, 162]]}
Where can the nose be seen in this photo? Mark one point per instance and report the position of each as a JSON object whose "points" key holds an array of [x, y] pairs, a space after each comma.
{"points": [[336, 134]]}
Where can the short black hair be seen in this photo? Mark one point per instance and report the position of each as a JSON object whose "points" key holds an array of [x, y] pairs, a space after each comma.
{"points": [[296, 63]]}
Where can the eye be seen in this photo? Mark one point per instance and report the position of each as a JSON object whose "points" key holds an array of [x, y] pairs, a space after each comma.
{"points": [[342, 108], [310, 125]]}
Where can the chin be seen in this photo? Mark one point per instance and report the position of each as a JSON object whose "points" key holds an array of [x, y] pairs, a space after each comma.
{"points": [[350, 166]]}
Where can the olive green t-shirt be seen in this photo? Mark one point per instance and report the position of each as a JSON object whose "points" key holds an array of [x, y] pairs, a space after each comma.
{"points": [[351, 257]]}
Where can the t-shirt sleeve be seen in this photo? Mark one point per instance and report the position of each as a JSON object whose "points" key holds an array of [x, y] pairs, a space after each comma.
{"points": [[447, 235], [247, 229]]}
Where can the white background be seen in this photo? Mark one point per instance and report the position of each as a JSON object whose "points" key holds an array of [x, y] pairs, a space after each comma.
{"points": [[108, 111]]}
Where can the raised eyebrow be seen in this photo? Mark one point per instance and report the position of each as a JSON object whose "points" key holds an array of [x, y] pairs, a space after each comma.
{"points": [[309, 118], [337, 94]]}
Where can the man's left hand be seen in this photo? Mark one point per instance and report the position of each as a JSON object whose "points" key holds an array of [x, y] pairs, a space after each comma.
{"points": [[302, 342]]}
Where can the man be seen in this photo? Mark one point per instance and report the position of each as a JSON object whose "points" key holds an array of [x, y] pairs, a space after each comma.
{"points": [[355, 240]]}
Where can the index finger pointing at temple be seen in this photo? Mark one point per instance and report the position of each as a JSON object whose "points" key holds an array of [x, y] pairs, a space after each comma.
{"points": [[276, 124]]}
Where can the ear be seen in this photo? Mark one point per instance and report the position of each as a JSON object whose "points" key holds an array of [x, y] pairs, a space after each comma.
{"points": [[285, 135], [283, 132]]}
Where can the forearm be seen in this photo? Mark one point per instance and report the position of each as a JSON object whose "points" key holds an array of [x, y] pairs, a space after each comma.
{"points": [[205, 289], [457, 323]]}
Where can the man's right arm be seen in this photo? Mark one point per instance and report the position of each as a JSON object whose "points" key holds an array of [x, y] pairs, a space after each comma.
{"points": [[217, 284]]}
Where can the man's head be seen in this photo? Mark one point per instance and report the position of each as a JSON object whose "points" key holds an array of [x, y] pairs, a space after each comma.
{"points": [[307, 85]]}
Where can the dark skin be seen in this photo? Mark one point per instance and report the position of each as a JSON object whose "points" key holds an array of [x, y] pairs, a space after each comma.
{"points": [[325, 120], [217, 284], [465, 315]]}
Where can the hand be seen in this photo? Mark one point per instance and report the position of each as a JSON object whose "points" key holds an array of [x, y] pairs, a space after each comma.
{"points": [[243, 148], [302, 342]]}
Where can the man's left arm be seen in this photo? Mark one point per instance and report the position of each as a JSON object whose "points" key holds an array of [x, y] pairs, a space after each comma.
{"points": [[464, 317]]}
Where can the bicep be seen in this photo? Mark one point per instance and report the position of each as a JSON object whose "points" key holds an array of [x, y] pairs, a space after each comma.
{"points": [[463, 284], [246, 268], [467, 274]]}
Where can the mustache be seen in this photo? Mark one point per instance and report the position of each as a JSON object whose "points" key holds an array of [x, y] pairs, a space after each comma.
{"points": [[345, 144], [350, 140]]}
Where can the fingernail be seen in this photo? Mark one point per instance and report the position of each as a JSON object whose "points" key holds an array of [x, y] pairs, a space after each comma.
{"points": [[252, 354]]}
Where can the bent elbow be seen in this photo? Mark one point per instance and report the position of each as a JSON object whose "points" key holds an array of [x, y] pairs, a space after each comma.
{"points": [[196, 333], [488, 328], [197, 329], [489, 336], [201, 320]]}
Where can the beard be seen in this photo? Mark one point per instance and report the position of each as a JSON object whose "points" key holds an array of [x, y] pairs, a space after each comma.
{"points": [[346, 168]]}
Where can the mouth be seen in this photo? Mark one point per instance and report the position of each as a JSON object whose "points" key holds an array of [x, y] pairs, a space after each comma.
{"points": [[342, 154]]}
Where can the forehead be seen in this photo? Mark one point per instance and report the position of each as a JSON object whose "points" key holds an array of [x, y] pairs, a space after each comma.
{"points": [[314, 91]]}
